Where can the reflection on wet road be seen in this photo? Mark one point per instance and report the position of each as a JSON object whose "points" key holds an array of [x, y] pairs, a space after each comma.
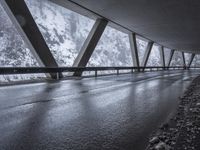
{"points": [[112, 112]]}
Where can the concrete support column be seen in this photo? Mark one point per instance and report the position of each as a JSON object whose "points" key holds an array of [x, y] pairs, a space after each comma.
{"points": [[21, 17], [191, 60], [170, 57], [90, 44], [147, 54], [162, 56], [134, 50]]}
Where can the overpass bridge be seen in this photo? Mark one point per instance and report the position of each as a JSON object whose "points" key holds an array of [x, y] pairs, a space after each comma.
{"points": [[77, 106]]}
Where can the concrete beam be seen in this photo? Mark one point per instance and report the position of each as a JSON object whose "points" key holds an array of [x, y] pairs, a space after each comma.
{"points": [[134, 50], [191, 60], [90, 44], [170, 57], [184, 63], [26, 26], [76, 8], [147, 54], [162, 56], [122, 13], [183, 57]]}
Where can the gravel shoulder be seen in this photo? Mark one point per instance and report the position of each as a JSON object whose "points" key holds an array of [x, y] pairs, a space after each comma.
{"points": [[182, 131]]}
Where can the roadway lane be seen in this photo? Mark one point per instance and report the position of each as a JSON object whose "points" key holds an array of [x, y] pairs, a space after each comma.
{"points": [[112, 112]]}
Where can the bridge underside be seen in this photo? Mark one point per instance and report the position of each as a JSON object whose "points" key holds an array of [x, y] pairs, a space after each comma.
{"points": [[170, 23], [109, 112]]}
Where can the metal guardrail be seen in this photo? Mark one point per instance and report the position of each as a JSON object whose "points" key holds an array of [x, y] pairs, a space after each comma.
{"points": [[32, 70]]}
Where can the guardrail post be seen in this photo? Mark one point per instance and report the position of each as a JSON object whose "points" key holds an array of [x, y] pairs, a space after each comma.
{"points": [[132, 71], [58, 76], [95, 73], [117, 71]]}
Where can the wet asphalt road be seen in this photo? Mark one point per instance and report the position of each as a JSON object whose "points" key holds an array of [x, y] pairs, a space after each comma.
{"points": [[107, 113]]}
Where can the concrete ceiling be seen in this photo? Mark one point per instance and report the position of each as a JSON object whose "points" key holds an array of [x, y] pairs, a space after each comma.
{"points": [[171, 23]]}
